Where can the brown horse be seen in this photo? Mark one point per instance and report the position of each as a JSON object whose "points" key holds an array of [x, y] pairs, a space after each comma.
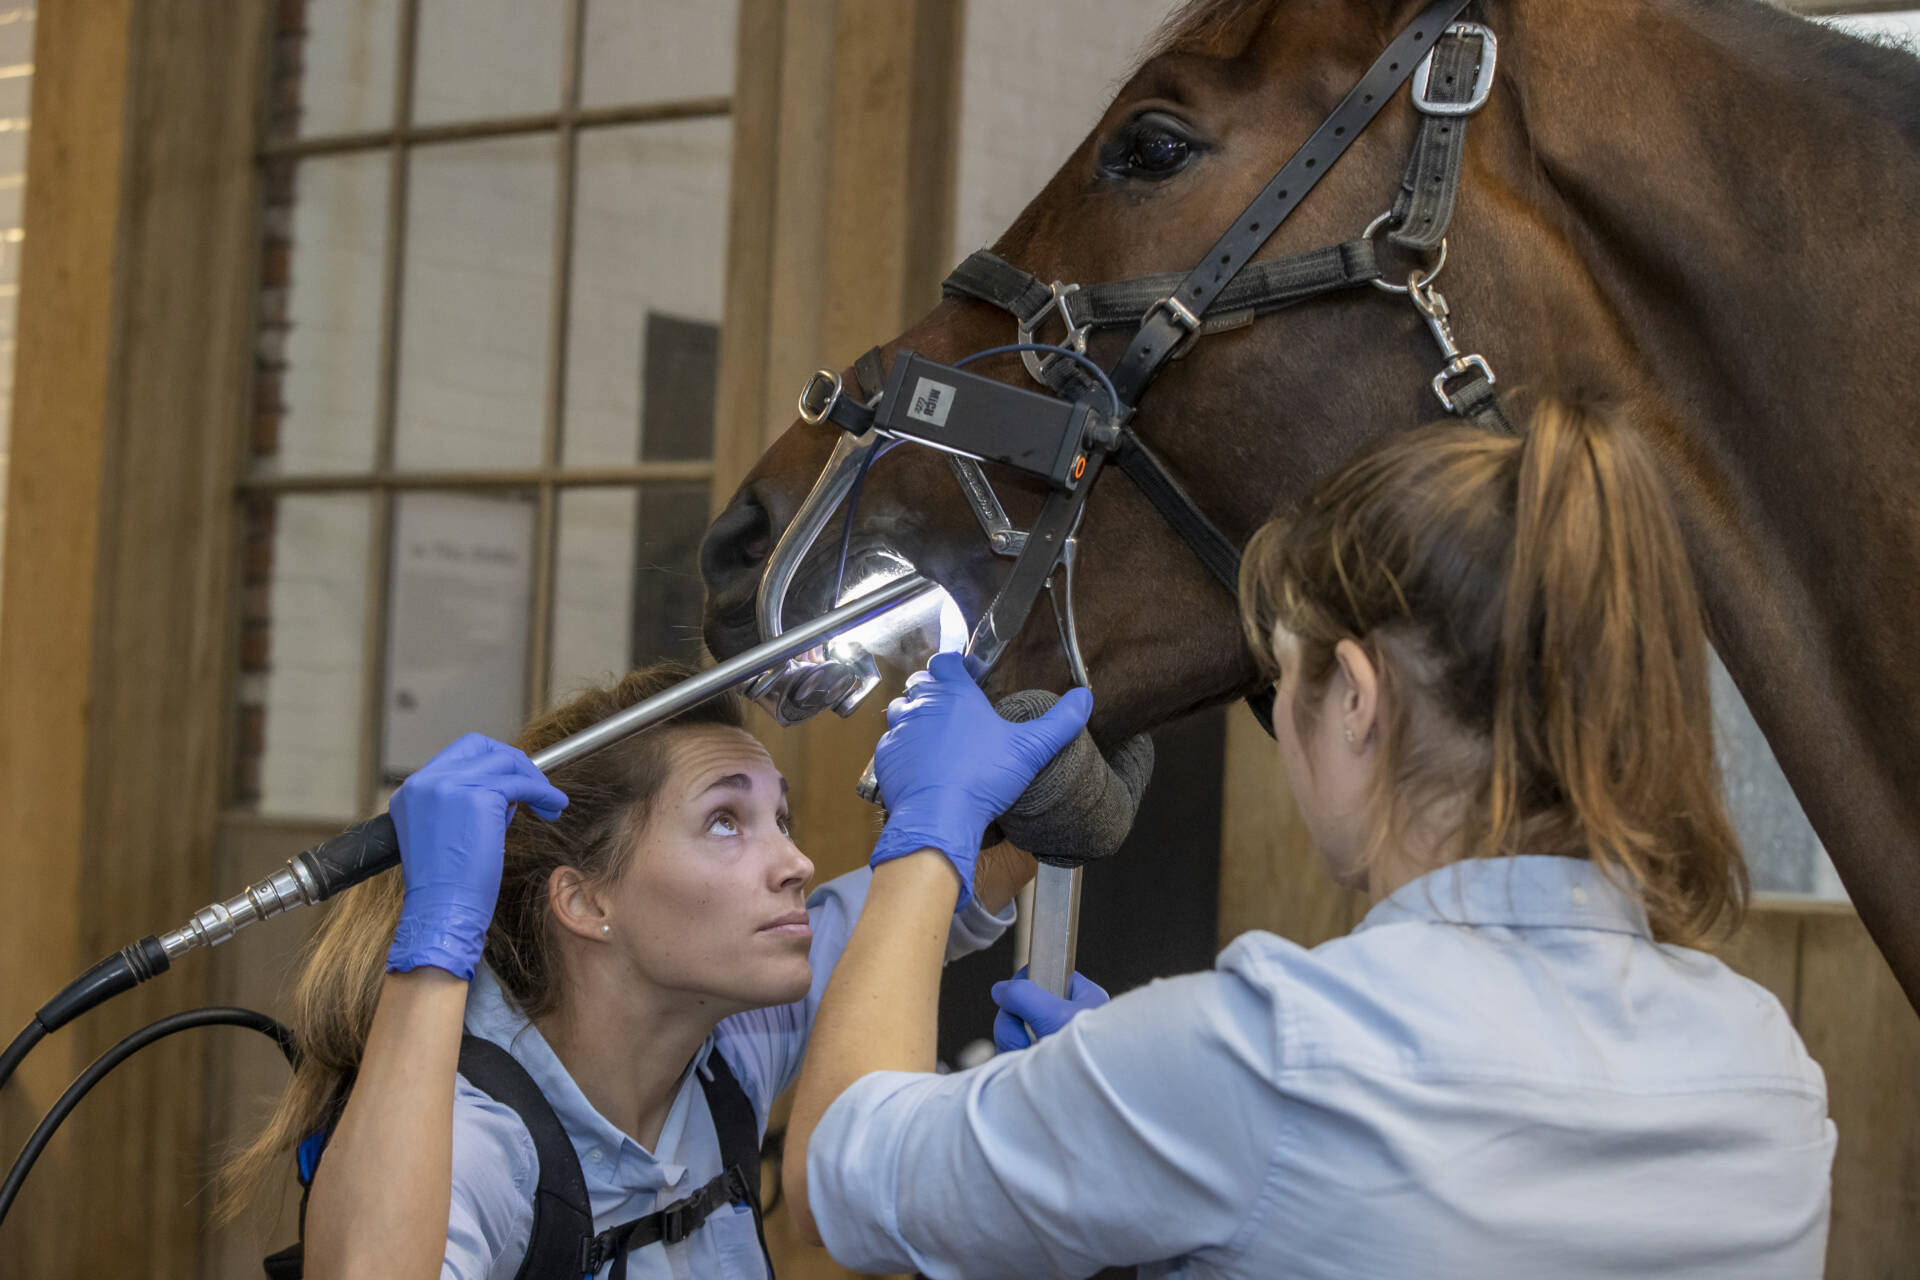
{"points": [[1695, 208]]}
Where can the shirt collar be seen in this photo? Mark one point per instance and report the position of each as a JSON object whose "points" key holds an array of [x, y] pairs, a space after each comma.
{"points": [[493, 1015], [1527, 891]]}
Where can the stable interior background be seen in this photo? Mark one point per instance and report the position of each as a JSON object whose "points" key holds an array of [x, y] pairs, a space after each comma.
{"points": [[526, 289]]}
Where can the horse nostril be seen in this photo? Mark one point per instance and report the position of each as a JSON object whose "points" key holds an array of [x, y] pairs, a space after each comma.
{"points": [[738, 541]]}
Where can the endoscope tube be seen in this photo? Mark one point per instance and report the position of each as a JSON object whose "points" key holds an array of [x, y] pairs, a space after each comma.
{"points": [[371, 847]]}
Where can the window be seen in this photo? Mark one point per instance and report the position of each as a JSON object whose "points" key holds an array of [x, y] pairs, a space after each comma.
{"points": [[493, 250]]}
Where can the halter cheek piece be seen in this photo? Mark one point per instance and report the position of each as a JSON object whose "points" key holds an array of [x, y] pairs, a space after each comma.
{"points": [[1066, 438]]}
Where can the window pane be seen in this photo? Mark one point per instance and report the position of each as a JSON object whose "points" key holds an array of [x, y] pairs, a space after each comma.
{"points": [[657, 51], [649, 268], [342, 78], [1783, 853], [320, 322], [304, 601], [483, 58], [626, 583], [1902, 27], [473, 349], [458, 607]]}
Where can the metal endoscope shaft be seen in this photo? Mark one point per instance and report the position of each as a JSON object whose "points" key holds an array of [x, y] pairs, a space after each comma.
{"points": [[370, 848]]}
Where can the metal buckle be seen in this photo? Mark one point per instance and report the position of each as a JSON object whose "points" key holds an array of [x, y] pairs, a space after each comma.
{"points": [[1076, 335], [1455, 367], [1182, 316], [823, 389], [1425, 278], [1482, 79]]}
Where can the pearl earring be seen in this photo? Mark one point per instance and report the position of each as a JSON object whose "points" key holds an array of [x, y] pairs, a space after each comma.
{"points": [[607, 928], [1349, 733]]}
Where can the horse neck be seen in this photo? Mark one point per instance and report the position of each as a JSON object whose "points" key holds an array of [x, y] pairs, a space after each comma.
{"points": [[1740, 190]]}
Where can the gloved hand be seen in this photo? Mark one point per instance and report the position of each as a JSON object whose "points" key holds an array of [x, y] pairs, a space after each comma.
{"points": [[948, 764], [451, 817], [1023, 1001]]}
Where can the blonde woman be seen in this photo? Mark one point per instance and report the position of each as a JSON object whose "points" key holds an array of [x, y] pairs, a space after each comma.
{"points": [[549, 1046], [1492, 710]]}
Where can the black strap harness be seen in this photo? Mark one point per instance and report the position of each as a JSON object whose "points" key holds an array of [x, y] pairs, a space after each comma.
{"points": [[1452, 65], [561, 1240]]}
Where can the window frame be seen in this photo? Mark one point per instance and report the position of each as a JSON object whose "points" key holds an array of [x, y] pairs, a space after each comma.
{"points": [[384, 482]]}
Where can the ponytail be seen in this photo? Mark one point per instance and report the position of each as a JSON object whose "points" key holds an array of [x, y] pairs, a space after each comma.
{"points": [[1531, 598]]}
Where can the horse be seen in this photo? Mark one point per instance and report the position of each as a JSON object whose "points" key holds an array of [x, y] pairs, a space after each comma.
{"points": [[1691, 209]]}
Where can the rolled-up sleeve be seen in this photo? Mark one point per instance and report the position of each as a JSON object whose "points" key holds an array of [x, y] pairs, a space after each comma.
{"points": [[1129, 1137]]}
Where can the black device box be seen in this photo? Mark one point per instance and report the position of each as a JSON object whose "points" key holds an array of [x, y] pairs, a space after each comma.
{"points": [[964, 413]]}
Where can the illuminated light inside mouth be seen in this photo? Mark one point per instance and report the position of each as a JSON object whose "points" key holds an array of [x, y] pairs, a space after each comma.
{"points": [[906, 635]]}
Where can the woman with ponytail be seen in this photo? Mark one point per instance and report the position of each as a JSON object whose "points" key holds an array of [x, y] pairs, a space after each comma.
{"points": [[631, 953], [1492, 710]]}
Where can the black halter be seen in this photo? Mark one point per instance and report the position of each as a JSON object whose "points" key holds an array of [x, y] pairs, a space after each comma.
{"points": [[1451, 64]]}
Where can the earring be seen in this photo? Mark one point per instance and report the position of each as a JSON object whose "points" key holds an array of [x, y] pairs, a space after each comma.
{"points": [[1349, 733], [607, 928]]}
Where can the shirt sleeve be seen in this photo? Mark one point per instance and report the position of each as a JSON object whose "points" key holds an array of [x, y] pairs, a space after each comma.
{"points": [[495, 1173], [765, 1046], [1138, 1133]]}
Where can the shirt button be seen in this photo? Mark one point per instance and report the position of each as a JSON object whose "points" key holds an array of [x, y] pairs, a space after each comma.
{"points": [[1579, 897], [596, 1155]]}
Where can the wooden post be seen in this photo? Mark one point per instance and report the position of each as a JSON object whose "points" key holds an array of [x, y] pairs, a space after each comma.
{"points": [[845, 124], [134, 316], [845, 115]]}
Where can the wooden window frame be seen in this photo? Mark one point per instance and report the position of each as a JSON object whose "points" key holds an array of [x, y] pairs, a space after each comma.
{"points": [[551, 476]]}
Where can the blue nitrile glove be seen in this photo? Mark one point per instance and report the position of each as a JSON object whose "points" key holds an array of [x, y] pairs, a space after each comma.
{"points": [[451, 817], [948, 764], [1024, 1001]]}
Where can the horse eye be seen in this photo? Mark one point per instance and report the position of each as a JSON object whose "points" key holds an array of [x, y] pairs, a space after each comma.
{"points": [[1151, 146], [1158, 151]]}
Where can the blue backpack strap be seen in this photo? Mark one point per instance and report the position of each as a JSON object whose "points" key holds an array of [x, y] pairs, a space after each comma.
{"points": [[562, 1229]]}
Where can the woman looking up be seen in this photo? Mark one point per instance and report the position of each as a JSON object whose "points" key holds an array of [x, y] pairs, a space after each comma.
{"points": [[1492, 709], [635, 937]]}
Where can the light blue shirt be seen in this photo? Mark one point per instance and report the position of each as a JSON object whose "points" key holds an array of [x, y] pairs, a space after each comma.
{"points": [[495, 1169], [1497, 1074]]}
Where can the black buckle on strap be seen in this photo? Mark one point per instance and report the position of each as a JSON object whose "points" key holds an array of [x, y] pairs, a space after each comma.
{"points": [[676, 1224]]}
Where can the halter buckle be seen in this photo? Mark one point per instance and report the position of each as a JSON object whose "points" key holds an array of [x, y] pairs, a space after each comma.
{"points": [[1482, 78], [1183, 317], [1074, 340], [818, 396]]}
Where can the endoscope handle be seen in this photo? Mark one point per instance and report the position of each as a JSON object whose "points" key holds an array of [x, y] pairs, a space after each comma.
{"points": [[359, 853]]}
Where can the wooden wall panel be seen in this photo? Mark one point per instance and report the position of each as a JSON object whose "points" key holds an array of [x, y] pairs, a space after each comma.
{"points": [[1270, 878], [1860, 1028], [131, 384], [844, 126]]}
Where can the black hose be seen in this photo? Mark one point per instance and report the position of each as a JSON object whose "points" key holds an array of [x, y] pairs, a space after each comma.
{"points": [[210, 1017], [30, 1035]]}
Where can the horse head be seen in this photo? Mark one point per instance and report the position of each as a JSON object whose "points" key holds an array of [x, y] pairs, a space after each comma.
{"points": [[1682, 209], [1246, 420]]}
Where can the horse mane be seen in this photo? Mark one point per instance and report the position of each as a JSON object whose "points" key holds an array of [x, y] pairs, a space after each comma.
{"points": [[1207, 27]]}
